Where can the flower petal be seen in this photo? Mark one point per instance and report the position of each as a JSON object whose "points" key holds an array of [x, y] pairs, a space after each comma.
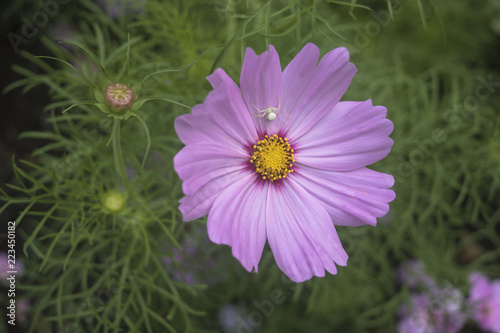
{"points": [[261, 86], [480, 286], [238, 220], [221, 118], [301, 234], [299, 72], [199, 203], [296, 77], [351, 136], [216, 134], [352, 198], [199, 163], [309, 97]]}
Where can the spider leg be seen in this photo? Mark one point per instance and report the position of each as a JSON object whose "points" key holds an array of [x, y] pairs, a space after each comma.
{"points": [[259, 115], [256, 108]]}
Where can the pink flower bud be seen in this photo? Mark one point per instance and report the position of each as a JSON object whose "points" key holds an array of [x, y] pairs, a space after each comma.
{"points": [[119, 96]]}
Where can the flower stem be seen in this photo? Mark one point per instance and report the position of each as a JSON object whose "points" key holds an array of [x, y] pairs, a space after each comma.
{"points": [[118, 154]]}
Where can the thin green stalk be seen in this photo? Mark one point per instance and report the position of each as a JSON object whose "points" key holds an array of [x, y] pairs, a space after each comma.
{"points": [[118, 154]]}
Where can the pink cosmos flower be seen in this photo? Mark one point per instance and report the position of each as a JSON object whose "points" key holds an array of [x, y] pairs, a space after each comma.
{"points": [[484, 300], [282, 159]]}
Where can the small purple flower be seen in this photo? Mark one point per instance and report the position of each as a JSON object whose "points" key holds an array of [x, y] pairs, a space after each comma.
{"points": [[414, 316], [434, 309], [282, 160], [120, 8], [433, 312], [188, 264], [62, 31], [7, 265], [228, 315], [484, 299], [412, 274], [23, 307], [84, 65]]}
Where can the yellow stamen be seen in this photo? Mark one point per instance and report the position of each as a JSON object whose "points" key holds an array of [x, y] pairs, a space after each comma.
{"points": [[273, 157]]}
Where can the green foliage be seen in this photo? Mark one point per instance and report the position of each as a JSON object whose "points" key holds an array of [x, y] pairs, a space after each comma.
{"points": [[98, 269]]}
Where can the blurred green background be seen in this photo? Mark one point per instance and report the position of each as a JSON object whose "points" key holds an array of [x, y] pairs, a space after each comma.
{"points": [[433, 64]]}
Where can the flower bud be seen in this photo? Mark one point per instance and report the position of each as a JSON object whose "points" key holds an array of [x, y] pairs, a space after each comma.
{"points": [[113, 201], [119, 97]]}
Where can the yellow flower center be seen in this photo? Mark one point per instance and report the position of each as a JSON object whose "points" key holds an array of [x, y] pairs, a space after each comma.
{"points": [[273, 157]]}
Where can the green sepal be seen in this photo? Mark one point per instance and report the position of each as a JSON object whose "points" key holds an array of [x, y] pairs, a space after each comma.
{"points": [[99, 96], [104, 108]]}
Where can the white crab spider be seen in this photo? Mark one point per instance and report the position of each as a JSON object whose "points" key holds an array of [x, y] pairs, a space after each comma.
{"points": [[270, 113]]}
